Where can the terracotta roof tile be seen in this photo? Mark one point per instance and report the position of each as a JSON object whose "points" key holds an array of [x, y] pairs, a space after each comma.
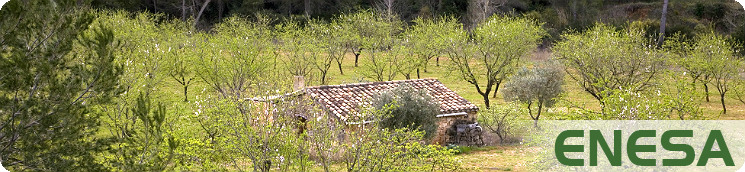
{"points": [[344, 100]]}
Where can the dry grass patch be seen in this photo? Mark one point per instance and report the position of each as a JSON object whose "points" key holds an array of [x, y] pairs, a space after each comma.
{"points": [[500, 158]]}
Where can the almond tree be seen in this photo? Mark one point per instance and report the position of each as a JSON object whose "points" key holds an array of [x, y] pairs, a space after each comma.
{"points": [[298, 47], [695, 65], [605, 61], [710, 59], [380, 40], [425, 41], [493, 51], [366, 26], [181, 44], [329, 38], [140, 130], [722, 65], [238, 54]]}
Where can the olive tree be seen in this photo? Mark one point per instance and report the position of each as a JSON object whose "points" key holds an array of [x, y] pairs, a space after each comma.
{"points": [[539, 86], [493, 52], [412, 108], [605, 60]]}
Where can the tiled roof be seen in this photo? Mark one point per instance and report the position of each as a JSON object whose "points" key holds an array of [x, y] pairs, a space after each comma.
{"points": [[345, 100]]}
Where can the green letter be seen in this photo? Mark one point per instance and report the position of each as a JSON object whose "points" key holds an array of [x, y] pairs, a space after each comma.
{"points": [[597, 138], [560, 148], [685, 148], [715, 135], [633, 148]]}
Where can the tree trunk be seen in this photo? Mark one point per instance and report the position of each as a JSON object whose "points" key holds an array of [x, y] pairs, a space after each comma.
{"points": [[501, 138], [662, 24], [486, 99], [485, 93], [220, 9], [183, 10], [356, 58], [196, 21], [495, 90], [186, 88], [574, 11], [438, 61], [439, 5], [537, 117], [724, 108], [417, 74], [323, 163], [426, 63], [323, 77], [706, 89], [306, 8], [340, 70]]}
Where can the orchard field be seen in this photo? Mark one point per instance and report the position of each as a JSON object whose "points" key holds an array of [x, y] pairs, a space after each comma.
{"points": [[98, 89]]}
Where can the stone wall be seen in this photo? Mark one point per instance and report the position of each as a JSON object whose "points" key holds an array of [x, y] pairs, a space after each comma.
{"points": [[446, 122]]}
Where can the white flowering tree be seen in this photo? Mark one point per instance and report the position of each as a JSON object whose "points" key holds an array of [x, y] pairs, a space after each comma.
{"points": [[604, 60], [492, 53]]}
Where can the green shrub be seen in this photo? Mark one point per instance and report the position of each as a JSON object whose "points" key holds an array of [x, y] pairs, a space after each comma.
{"points": [[539, 86], [501, 120], [413, 108]]}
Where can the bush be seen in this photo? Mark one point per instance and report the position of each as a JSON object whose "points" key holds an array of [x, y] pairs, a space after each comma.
{"points": [[501, 120], [678, 101], [537, 86], [739, 89], [374, 148], [413, 108]]}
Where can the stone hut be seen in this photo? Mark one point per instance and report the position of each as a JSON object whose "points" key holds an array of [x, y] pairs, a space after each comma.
{"points": [[344, 101]]}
